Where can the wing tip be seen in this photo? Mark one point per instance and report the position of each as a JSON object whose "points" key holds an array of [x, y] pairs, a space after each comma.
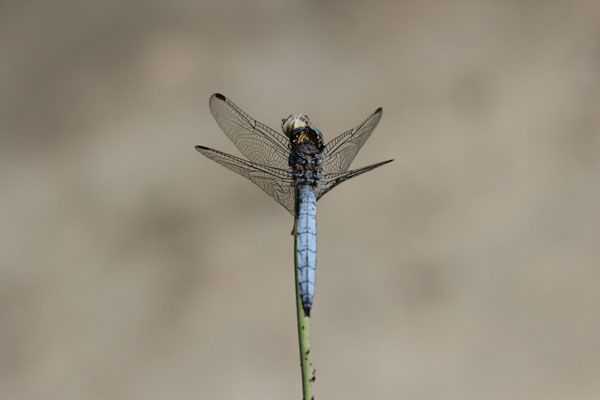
{"points": [[379, 110], [200, 148], [219, 96]]}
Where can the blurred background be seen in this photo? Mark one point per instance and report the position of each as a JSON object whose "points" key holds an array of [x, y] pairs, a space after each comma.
{"points": [[131, 267]]}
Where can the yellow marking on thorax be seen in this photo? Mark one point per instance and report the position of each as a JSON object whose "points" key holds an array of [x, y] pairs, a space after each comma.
{"points": [[301, 137]]}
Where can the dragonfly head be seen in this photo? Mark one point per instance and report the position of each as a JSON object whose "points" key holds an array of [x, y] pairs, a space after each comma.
{"points": [[300, 130], [294, 122]]}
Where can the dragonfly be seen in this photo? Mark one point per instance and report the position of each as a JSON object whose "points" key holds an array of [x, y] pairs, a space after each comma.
{"points": [[295, 168]]}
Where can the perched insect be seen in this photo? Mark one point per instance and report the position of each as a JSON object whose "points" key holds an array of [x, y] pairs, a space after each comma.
{"points": [[296, 169]]}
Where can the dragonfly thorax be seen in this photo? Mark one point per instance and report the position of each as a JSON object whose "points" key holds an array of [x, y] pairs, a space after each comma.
{"points": [[306, 145], [307, 135], [305, 160]]}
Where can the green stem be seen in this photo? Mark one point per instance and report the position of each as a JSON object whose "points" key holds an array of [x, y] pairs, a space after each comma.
{"points": [[303, 336]]}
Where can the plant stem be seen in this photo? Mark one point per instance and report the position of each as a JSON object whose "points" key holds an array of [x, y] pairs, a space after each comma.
{"points": [[303, 336]]}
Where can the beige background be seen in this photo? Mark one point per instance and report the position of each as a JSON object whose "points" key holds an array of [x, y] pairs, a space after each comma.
{"points": [[134, 268]]}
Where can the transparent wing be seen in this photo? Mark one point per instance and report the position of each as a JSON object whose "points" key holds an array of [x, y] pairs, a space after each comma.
{"points": [[277, 183], [256, 141], [329, 181], [340, 151]]}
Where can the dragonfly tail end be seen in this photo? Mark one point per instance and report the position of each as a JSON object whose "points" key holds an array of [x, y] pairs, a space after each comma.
{"points": [[307, 310]]}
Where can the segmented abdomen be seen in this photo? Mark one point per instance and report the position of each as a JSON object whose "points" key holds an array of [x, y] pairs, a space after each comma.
{"points": [[306, 245]]}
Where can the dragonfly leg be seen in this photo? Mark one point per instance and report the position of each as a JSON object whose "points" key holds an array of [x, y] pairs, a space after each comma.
{"points": [[293, 228]]}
